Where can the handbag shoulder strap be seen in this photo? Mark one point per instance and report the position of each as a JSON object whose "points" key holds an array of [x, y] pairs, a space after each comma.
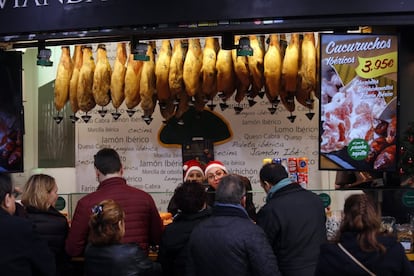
{"points": [[355, 260]]}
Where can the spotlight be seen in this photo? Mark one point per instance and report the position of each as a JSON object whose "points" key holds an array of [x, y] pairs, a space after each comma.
{"points": [[139, 50], [244, 49], [43, 55]]}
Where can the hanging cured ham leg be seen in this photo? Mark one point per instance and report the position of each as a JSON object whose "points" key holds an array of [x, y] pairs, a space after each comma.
{"points": [[209, 71], [273, 71], [147, 85], [118, 78], [85, 95], [192, 68], [256, 66], [102, 80], [226, 77], [175, 76], [73, 85], [241, 68], [62, 81], [162, 69], [132, 82], [290, 69], [307, 73]]}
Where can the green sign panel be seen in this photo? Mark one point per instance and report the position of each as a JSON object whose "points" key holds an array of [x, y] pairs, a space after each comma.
{"points": [[408, 198], [326, 199], [60, 203]]}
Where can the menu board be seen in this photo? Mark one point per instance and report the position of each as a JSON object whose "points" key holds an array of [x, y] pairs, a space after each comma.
{"points": [[358, 102]]}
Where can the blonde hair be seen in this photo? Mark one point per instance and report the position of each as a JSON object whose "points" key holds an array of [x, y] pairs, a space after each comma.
{"points": [[36, 191], [104, 223]]}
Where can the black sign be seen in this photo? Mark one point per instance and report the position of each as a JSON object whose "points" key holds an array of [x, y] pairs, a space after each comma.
{"points": [[50, 16]]}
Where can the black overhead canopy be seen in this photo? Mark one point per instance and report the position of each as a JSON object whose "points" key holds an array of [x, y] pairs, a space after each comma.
{"points": [[59, 20]]}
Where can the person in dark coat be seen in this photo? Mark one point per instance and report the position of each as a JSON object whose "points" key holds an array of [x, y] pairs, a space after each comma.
{"points": [[143, 223], [190, 199], [39, 199], [192, 172], [228, 243], [22, 251], [105, 255], [293, 219], [360, 235], [214, 171]]}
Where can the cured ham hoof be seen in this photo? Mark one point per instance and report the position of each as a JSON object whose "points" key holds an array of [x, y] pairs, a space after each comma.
{"points": [[86, 118], [147, 119], [224, 106], [58, 118], [310, 115], [309, 101], [275, 101], [272, 110], [211, 106], [73, 118], [180, 122], [261, 94], [102, 112], [221, 95], [292, 118], [131, 112], [238, 109], [252, 102], [163, 106], [116, 115]]}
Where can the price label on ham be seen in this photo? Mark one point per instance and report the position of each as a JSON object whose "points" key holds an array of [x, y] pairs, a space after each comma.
{"points": [[359, 81]]}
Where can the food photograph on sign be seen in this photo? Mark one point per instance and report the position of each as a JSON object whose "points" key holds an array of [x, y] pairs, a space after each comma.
{"points": [[359, 102]]}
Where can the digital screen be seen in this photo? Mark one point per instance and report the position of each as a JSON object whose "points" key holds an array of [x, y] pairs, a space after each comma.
{"points": [[11, 112], [358, 102]]}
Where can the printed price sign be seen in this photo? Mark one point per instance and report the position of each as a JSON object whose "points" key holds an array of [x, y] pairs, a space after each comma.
{"points": [[359, 79], [373, 67]]}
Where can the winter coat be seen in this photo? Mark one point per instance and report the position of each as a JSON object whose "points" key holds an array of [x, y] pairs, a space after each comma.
{"points": [[143, 224], [333, 261], [294, 220], [22, 252], [228, 244], [173, 248], [250, 207], [52, 227], [119, 260]]}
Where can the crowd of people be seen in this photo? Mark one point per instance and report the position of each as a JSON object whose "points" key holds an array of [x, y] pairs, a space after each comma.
{"points": [[216, 229]]}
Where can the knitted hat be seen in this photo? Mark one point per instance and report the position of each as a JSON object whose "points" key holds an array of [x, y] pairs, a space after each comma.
{"points": [[191, 165], [214, 164]]}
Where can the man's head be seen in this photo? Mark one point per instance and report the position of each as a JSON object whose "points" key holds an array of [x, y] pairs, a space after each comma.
{"points": [[7, 197], [214, 171], [270, 174], [107, 161], [231, 190], [190, 197]]}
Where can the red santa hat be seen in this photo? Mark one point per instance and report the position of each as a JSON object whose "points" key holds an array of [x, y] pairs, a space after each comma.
{"points": [[214, 164], [191, 165]]}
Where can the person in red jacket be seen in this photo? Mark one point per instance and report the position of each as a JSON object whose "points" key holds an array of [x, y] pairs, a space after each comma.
{"points": [[143, 224]]}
